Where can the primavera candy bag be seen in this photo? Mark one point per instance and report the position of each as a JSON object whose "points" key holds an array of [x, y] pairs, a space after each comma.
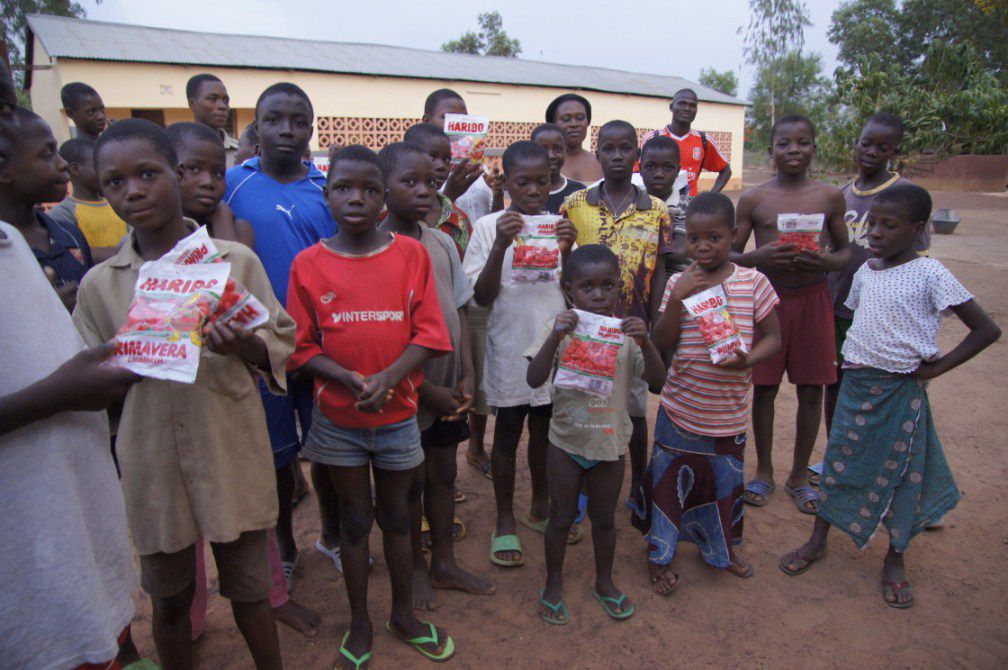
{"points": [[237, 306], [801, 230], [162, 334], [719, 330], [589, 362], [536, 256], [468, 136]]}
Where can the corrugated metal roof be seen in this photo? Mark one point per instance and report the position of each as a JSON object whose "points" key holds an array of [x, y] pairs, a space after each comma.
{"points": [[96, 40]]}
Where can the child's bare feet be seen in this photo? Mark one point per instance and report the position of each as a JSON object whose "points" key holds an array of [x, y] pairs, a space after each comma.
{"points": [[423, 593], [454, 577], [479, 460], [895, 588], [302, 619], [663, 580]]}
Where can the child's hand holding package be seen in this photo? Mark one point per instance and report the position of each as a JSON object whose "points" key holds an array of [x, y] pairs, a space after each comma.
{"points": [[635, 327], [233, 340], [460, 178], [565, 322], [566, 234], [509, 224]]}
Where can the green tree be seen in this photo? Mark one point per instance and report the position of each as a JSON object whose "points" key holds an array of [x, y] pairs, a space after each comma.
{"points": [[724, 82], [865, 31], [876, 32], [983, 24], [490, 41], [950, 103], [795, 83], [13, 17], [775, 29]]}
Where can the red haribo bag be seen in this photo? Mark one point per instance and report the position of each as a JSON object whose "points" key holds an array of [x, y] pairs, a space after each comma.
{"points": [[589, 362], [237, 306], [536, 251], [171, 303], [719, 330], [802, 230]]}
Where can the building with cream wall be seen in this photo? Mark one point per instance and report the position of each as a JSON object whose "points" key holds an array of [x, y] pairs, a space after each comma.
{"points": [[360, 93]]}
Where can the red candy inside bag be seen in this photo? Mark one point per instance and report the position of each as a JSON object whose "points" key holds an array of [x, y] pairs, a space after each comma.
{"points": [[536, 251], [804, 231], [588, 363], [171, 303], [174, 298], [720, 333], [238, 307]]}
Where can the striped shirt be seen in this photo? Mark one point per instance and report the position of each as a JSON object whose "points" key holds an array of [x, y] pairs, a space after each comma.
{"points": [[69, 255], [699, 396]]}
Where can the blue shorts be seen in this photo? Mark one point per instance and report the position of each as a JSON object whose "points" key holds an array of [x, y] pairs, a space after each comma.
{"points": [[392, 447], [284, 413]]}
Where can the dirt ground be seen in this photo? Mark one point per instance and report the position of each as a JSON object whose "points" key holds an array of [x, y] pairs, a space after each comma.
{"points": [[832, 616]]}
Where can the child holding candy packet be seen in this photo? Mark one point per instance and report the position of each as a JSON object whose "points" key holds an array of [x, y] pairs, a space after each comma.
{"points": [[596, 357], [178, 443], [700, 432]]}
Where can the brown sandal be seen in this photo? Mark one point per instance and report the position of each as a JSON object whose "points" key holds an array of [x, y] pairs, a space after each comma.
{"points": [[794, 557]]}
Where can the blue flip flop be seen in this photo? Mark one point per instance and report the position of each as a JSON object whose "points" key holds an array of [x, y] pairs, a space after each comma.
{"points": [[582, 508], [803, 495], [558, 609], [614, 606], [760, 488]]}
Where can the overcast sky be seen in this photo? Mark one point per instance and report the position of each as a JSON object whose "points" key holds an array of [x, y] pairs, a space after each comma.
{"points": [[670, 37]]}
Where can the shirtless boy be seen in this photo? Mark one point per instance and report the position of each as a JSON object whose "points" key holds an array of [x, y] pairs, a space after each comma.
{"points": [[808, 347]]}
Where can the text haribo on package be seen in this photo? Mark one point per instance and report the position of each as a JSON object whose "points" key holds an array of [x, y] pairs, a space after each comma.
{"points": [[468, 136], [536, 251], [238, 307], [162, 334], [802, 230], [193, 249], [589, 362], [719, 330]]}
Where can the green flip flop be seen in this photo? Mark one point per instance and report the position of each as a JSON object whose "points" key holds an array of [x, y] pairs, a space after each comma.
{"points": [[506, 543], [574, 536], [613, 606], [359, 663], [449, 644], [559, 609], [142, 664]]}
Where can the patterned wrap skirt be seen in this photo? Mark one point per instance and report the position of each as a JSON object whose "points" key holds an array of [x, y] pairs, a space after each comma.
{"points": [[884, 463], [692, 492]]}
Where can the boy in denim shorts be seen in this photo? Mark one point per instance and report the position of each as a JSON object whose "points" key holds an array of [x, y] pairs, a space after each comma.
{"points": [[365, 350]]}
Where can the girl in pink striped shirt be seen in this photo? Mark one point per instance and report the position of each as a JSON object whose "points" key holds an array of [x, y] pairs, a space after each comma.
{"points": [[693, 488]]}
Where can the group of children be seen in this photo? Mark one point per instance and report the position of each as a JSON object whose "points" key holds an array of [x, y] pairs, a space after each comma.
{"points": [[397, 318]]}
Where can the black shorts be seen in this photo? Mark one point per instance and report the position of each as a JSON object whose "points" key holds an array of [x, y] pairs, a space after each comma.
{"points": [[445, 434]]}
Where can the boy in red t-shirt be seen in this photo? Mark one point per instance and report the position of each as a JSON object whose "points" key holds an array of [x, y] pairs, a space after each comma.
{"points": [[365, 349]]}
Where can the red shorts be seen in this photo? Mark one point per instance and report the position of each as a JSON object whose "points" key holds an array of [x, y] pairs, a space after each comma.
{"points": [[107, 665], [808, 342]]}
